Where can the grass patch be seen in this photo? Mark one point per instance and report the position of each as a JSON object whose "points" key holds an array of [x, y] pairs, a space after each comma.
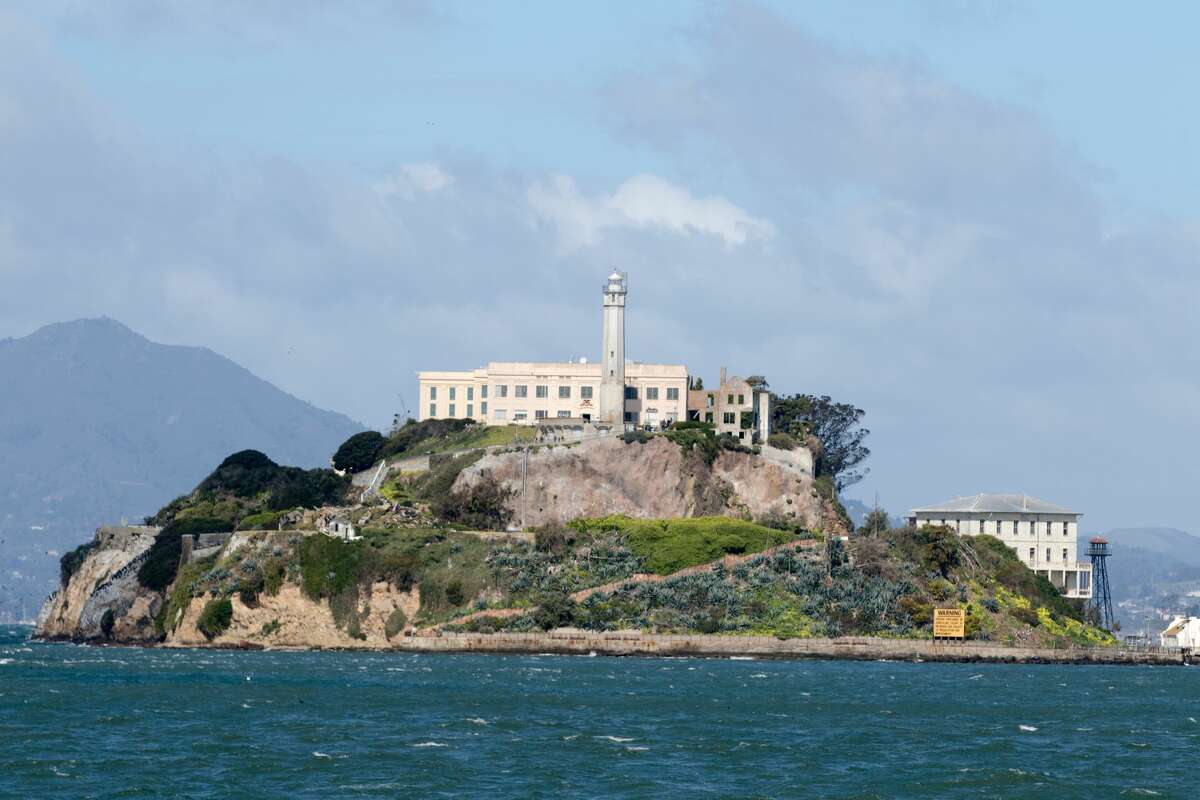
{"points": [[669, 545]]}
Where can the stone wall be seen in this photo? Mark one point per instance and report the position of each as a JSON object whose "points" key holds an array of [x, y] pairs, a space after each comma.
{"points": [[633, 643]]}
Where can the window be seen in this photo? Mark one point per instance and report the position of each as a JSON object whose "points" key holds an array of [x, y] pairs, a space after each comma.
{"points": [[470, 410], [564, 414], [521, 390], [672, 393], [483, 392], [500, 413], [564, 393], [520, 415], [483, 408], [1064, 529], [729, 400], [708, 416], [727, 417], [501, 390], [741, 399], [432, 410], [452, 404], [585, 392], [541, 390], [1064, 555], [452, 396], [709, 400], [631, 393], [1032, 553], [631, 416], [1047, 555], [540, 413], [433, 393], [651, 392], [470, 392]]}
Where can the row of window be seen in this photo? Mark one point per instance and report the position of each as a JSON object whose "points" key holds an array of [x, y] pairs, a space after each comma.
{"points": [[1033, 554], [542, 391], [1007, 527], [453, 410], [711, 400]]}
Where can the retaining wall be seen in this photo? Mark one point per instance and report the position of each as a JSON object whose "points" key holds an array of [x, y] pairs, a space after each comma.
{"points": [[632, 643]]}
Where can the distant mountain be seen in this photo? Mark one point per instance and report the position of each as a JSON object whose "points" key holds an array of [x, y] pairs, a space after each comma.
{"points": [[99, 423]]}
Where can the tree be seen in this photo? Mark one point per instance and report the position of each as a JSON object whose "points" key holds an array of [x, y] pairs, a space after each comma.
{"points": [[696, 383], [358, 452], [877, 522], [836, 425]]}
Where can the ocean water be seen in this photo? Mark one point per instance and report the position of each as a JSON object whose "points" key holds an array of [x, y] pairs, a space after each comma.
{"points": [[127, 722]]}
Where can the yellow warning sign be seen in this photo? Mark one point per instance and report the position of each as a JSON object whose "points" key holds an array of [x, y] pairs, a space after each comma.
{"points": [[949, 623]]}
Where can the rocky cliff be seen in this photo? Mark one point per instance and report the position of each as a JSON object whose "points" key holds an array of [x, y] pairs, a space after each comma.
{"points": [[656, 479], [102, 598]]}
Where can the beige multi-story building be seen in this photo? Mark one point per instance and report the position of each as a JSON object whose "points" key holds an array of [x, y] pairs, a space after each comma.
{"points": [[1044, 536], [735, 407], [524, 392]]}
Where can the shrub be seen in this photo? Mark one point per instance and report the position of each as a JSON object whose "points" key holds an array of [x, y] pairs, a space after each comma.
{"points": [[262, 521], [454, 592], [412, 433], [1025, 615], [991, 604], [329, 566], [71, 561], [271, 628], [481, 506], [250, 587], [696, 437], [940, 547], [555, 609], [395, 623], [550, 540], [940, 588], [783, 441], [215, 618], [358, 452], [639, 436]]}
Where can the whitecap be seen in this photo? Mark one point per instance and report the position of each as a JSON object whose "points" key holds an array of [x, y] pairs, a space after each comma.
{"points": [[571, 737], [1140, 791], [975, 677], [4, 661], [1029, 728], [759, 675], [634, 749], [617, 739], [244, 705], [430, 744], [319, 754], [478, 721]]}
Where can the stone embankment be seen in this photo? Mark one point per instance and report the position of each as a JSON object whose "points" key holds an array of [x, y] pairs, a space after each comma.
{"points": [[569, 641]]}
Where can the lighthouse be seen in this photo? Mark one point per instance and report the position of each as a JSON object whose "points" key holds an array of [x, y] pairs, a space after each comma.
{"points": [[612, 376]]}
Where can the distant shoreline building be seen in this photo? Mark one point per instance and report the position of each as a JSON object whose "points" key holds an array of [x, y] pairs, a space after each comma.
{"points": [[613, 392], [1045, 536]]}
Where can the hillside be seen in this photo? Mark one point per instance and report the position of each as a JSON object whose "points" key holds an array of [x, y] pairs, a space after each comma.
{"points": [[98, 423], [435, 557]]}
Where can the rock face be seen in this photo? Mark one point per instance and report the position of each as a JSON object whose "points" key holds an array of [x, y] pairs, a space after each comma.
{"points": [[289, 619], [105, 585], [654, 479]]}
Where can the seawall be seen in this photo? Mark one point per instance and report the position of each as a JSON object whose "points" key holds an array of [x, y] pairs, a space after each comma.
{"points": [[567, 641]]}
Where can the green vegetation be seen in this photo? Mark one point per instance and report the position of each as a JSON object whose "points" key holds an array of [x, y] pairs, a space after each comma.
{"points": [[358, 452], [838, 426], [215, 618], [669, 545], [71, 561], [695, 437], [436, 436], [262, 521], [395, 623], [246, 487], [784, 441], [271, 628]]}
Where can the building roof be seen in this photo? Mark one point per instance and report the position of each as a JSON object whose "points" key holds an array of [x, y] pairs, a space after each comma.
{"points": [[1176, 627], [983, 503]]}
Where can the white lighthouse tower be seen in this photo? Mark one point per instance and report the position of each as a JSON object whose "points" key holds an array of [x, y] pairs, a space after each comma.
{"points": [[612, 377]]}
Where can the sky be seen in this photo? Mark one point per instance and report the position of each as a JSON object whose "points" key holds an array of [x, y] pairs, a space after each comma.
{"points": [[975, 220]]}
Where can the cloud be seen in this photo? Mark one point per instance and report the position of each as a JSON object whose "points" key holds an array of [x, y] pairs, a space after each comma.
{"points": [[645, 202], [877, 233]]}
